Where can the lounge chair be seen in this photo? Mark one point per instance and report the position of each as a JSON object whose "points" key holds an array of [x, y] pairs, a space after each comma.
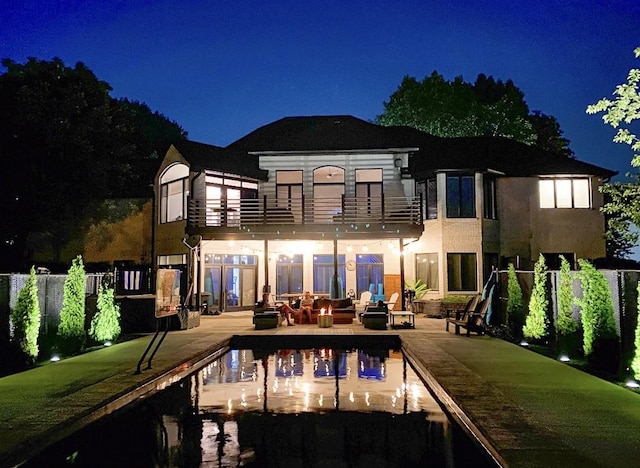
{"points": [[471, 321]]}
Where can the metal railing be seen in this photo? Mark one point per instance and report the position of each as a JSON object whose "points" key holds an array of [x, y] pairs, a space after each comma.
{"points": [[325, 211]]}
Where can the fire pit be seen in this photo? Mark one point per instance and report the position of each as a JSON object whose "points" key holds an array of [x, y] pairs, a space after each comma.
{"points": [[325, 319]]}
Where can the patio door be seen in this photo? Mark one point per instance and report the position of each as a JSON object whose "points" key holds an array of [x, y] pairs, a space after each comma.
{"points": [[239, 287]]}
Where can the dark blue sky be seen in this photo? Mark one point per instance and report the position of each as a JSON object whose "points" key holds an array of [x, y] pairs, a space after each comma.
{"points": [[223, 68]]}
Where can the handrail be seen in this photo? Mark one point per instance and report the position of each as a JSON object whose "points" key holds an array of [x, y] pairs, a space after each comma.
{"points": [[269, 211]]}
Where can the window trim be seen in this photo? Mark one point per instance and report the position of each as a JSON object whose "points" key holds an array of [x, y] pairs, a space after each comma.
{"points": [[460, 205], [572, 195]]}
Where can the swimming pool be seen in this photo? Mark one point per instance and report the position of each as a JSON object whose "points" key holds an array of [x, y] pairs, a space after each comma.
{"points": [[312, 406]]}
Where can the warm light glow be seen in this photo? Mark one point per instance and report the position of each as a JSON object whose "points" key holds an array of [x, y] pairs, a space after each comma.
{"points": [[349, 248]]}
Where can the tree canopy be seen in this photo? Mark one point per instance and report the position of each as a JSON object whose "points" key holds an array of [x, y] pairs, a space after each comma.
{"points": [[457, 108], [66, 144], [622, 207]]}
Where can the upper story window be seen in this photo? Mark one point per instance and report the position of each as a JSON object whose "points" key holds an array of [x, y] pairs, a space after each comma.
{"points": [[565, 193], [489, 197], [369, 190], [174, 190], [428, 192], [461, 198]]}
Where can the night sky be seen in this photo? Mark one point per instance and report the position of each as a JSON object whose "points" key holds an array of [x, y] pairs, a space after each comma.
{"points": [[223, 68]]}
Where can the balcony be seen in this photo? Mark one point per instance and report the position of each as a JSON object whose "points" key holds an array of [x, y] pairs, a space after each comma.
{"points": [[328, 218]]}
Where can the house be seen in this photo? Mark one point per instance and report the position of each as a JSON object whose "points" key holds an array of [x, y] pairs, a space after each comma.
{"points": [[337, 205]]}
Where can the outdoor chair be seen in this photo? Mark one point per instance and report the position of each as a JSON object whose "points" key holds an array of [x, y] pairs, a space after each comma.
{"points": [[473, 321], [392, 301]]}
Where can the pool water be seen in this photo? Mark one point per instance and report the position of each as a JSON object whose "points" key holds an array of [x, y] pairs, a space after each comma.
{"points": [[285, 407]]}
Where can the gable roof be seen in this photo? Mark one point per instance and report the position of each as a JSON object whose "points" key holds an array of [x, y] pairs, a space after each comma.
{"points": [[203, 156]]}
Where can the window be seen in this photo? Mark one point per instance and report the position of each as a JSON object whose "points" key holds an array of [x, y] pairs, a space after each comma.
{"points": [[461, 200], [177, 259], [489, 191], [289, 274], [328, 189], [427, 190], [369, 270], [369, 191], [289, 191], [565, 193], [323, 274], [427, 270], [174, 190], [461, 272]]}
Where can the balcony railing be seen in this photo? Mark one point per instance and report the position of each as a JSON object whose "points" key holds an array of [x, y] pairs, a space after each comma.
{"points": [[302, 211]]}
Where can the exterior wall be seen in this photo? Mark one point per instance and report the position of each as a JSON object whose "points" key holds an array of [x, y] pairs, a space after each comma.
{"points": [[393, 186], [528, 230], [168, 236]]}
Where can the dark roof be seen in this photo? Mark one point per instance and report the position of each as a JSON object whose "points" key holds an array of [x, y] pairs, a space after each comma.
{"points": [[348, 133], [325, 133], [500, 154], [203, 156]]}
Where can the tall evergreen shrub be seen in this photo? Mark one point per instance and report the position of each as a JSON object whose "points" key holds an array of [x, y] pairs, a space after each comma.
{"points": [[72, 315], [25, 317], [635, 362], [105, 325], [536, 322], [515, 302], [596, 305], [565, 324]]}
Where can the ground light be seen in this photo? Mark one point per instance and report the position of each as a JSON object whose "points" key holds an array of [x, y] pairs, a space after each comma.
{"points": [[55, 358], [524, 343], [632, 384], [564, 358], [107, 343]]}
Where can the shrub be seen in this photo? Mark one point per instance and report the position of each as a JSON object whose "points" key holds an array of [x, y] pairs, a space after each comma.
{"points": [[105, 325], [565, 324], [596, 306], [536, 322], [515, 302], [25, 317], [72, 315], [635, 362]]}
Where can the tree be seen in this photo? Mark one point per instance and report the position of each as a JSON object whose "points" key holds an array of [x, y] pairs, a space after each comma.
{"points": [[623, 110], [536, 322], [25, 317], [622, 206], [635, 362], [622, 212], [487, 107], [67, 146], [72, 315], [565, 324], [105, 325], [515, 302], [596, 307]]}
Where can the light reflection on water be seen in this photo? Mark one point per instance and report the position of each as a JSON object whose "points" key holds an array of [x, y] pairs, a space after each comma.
{"points": [[252, 408], [294, 381]]}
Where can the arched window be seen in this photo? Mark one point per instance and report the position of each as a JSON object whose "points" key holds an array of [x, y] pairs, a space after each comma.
{"points": [[174, 190], [328, 188]]}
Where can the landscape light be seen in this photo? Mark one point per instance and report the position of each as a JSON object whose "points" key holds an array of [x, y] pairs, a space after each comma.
{"points": [[107, 343], [632, 384], [564, 358], [524, 343], [55, 357]]}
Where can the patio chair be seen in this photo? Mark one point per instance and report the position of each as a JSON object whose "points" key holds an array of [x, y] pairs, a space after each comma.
{"points": [[365, 298], [392, 300]]}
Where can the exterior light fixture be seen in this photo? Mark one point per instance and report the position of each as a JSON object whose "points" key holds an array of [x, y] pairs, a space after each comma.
{"points": [[524, 343], [632, 384], [55, 358], [564, 358], [397, 163]]}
